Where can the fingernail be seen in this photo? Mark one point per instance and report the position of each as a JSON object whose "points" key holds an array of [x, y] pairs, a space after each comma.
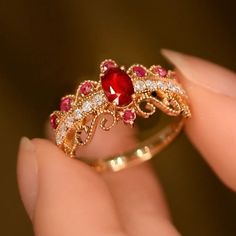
{"points": [[27, 174], [201, 72]]}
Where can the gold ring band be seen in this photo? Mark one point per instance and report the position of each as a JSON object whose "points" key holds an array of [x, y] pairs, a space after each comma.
{"points": [[143, 152], [123, 95]]}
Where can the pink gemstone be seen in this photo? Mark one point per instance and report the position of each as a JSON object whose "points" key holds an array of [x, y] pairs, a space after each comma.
{"points": [[129, 116], [53, 121], [108, 65], [86, 88], [117, 86], [139, 71], [162, 72], [65, 104]]}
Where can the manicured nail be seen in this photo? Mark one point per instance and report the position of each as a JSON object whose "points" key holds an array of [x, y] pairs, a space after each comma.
{"points": [[27, 174], [203, 73]]}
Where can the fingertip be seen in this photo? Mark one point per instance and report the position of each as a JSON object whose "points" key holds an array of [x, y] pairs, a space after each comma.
{"points": [[27, 169], [51, 156], [211, 131], [71, 195], [211, 89], [203, 73]]}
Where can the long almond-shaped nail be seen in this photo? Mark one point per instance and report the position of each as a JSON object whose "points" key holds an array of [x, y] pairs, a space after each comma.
{"points": [[212, 77], [27, 174]]}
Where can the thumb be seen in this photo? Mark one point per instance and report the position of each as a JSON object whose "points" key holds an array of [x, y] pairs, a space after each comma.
{"points": [[60, 194]]}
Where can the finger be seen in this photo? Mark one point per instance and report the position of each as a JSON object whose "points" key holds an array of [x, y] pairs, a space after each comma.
{"points": [[137, 193], [212, 92], [140, 200], [63, 196]]}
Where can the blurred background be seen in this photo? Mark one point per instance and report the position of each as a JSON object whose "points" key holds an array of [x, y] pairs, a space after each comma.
{"points": [[47, 46]]}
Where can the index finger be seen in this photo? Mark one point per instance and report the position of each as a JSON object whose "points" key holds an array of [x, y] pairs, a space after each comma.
{"points": [[212, 92]]}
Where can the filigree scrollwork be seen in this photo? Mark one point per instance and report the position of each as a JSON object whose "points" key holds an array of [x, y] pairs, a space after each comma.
{"points": [[144, 107], [107, 123], [119, 96]]}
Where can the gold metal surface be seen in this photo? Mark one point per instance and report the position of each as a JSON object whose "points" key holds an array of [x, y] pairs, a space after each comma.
{"points": [[145, 150], [152, 91]]}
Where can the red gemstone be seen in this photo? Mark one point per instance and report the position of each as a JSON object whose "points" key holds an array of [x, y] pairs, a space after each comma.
{"points": [[129, 116], [108, 65], [65, 104], [85, 88], [139, 71], [160, 71], [117, 86], [53, 121]]}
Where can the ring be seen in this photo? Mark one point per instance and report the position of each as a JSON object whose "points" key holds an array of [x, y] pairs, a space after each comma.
{"points": [[123, 95]]}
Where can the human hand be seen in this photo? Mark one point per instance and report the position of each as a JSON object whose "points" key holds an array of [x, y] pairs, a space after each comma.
{"points": [[65, 197]]}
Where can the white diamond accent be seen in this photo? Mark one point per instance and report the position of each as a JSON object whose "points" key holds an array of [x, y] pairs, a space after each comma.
{"points": [[78, 114], [63, 129], [61, 133], [173, 87], [139, 86], [161, 85], [151, 84], [69, 121], [59, 139], [87, 106], [98, 99]]}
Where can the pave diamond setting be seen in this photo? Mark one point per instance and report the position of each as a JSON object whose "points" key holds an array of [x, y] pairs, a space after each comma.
{"points": [[141, 86], [78, 114]]}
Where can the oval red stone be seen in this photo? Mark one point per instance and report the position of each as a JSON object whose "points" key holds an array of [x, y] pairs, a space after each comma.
{"points": [[117, 86]]}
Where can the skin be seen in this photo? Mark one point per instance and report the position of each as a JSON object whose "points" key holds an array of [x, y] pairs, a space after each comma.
{"points": [[65, 197]]}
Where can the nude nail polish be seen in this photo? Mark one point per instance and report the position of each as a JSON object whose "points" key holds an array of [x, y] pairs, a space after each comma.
{"points": [[201, 72]]}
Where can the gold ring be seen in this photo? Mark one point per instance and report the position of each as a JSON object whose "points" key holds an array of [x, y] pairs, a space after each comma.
{"points": [[123, 95]]}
